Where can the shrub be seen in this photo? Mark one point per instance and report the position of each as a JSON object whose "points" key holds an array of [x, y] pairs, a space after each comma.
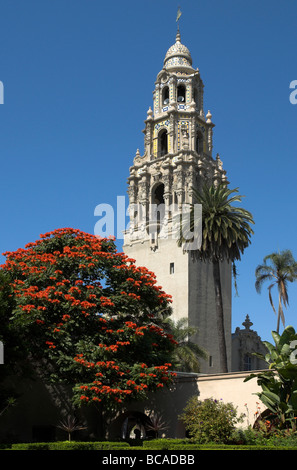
{"points": [[155, 444], [278, 438], [165, 444], [278, 382], [210, 420]]}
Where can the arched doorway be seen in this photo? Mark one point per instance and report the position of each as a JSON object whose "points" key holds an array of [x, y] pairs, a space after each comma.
{"points": [[134, 425]]}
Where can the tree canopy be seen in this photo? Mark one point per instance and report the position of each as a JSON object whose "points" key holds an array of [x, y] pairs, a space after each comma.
{"points": [[226, 232], [279, 268], [92, 315], [187, 353], [226, 229]]}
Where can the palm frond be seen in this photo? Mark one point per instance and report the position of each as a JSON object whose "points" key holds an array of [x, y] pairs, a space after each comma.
{"points": [[226, 230], [187, 354], [280, 268]]}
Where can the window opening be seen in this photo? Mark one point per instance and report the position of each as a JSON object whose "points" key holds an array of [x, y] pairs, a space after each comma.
{"points": [[181, 94], [158, 196], [198, 144], [163, 142], [166, 95], [196, 97], [247, 365]]}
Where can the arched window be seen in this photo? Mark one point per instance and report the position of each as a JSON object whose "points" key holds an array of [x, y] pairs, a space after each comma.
{"points": [[181, 94], [199, 143], [163, 143], [247, 362], [166, 96]]}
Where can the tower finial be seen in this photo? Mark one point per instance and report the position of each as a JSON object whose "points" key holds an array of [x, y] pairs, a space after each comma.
{"points": [[179, 13]]}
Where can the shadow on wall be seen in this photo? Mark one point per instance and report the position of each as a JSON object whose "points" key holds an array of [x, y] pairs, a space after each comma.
{"points": [[162, 410], [40, 406]]}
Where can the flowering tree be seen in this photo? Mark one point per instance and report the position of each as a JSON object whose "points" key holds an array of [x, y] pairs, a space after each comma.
{"points": [[93, 315]]}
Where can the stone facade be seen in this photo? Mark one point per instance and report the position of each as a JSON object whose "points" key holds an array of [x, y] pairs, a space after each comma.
{"points": [[178, 142], [246, 342]]}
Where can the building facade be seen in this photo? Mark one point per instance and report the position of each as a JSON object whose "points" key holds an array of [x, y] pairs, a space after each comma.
{"points": [[246, 344], [178, 144]]}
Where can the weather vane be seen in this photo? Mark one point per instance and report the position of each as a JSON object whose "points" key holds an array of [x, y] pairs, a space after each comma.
{"points": [[179, 13]]}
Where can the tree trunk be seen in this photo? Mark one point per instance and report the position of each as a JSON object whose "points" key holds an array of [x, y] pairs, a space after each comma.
{"points": [[278, 315], [220, 315], [102, 422]]}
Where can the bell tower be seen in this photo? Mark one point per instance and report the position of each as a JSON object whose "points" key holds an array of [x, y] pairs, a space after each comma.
{"points": [[178, 144]]}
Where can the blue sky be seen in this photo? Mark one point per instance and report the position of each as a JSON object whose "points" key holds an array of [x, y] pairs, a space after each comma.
{"points": [[78, 78]]}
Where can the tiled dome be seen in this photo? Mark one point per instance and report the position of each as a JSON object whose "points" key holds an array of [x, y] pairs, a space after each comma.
{"points": [[178, 55]]}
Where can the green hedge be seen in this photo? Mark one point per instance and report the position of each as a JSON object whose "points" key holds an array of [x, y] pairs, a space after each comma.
{"points": [[166, 443], [155, 444], [187, 444], [75, 445]]}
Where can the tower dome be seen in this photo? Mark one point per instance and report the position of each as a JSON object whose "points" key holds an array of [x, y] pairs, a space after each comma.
{"points": [[178, 56]]}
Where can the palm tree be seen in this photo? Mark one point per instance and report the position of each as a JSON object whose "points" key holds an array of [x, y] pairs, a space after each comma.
{"points": [[226, 232], [280, 269], [187, 353]]}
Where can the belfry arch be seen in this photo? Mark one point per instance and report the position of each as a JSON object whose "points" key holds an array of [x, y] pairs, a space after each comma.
{"points": [[181, 94], [165, 96], [158, 194]]}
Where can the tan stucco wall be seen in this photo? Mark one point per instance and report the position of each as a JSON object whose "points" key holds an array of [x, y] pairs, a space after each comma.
{"points": [[230, 388], [192, 290]]}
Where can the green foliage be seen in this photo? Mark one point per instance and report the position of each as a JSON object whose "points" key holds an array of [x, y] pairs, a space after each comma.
{"points": [[279, 382], [75, 445], [187, 354], [279, 269], [155, 444], [8, 403], [226, 229], [210, 420], [13, 349], [226, 232], [261, 437], [164, 444]]}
